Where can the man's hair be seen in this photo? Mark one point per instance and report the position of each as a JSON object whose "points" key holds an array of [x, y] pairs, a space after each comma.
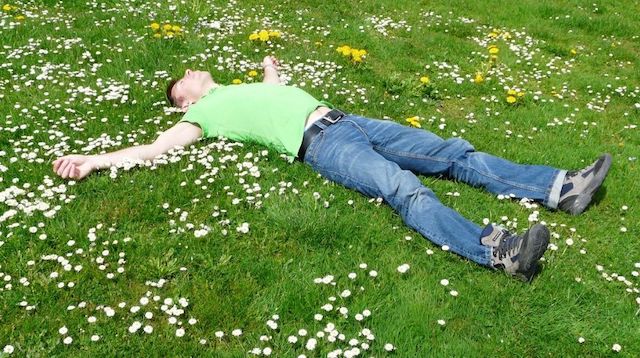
{"points": [[171, 100]]}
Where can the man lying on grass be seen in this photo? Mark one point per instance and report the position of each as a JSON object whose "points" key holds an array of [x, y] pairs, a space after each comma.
{"points": [[375, 157]]}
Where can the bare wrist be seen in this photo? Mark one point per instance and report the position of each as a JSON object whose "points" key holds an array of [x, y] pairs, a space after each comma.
{"points": [[94, 161]]}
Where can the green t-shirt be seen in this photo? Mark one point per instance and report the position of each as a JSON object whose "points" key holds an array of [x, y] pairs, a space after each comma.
{"points": [[270, 114]]}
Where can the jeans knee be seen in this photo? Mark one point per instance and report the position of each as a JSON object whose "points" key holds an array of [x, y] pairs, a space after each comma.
{"points": [[460, 151], [404, 199], [459, 146]]}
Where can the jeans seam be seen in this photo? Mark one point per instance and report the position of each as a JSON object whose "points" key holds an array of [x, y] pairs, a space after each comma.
{"points": [[409, 154]]}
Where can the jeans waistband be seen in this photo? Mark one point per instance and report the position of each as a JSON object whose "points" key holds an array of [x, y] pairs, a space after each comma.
{"points": [[328, 119]]}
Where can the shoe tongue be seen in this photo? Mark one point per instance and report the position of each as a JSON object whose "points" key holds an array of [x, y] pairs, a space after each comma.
{"points": [[491, 236]]}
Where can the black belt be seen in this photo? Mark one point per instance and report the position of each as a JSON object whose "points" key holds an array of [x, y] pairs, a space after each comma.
{"points": [[328, 119]]}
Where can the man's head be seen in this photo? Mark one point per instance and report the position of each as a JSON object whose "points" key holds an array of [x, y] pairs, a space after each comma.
{"points": [[185, 91]]}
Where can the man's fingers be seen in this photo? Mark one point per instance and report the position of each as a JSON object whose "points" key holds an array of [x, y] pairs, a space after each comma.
{"points": [[62, 167], [67, 170], [62, 162], [64, 172]]}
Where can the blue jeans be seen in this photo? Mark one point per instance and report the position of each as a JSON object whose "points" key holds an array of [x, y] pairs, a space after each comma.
{"points": [[379, 158]]}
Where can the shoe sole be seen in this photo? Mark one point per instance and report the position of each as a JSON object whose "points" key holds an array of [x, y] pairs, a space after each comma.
{"points": [[584, 198], [538, 237]]}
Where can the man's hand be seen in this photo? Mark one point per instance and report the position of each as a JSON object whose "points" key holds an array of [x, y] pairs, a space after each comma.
{"points": [[270, 61], [270, 65], [73, 166]]}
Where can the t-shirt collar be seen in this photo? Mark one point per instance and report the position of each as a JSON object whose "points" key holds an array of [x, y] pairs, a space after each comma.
{"points": [[213, 89]]}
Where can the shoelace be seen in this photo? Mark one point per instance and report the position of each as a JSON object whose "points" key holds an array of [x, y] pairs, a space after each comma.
{"points": [[571, 174], [507, 245]]}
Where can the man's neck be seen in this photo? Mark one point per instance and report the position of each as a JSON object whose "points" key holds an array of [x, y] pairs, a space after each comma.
{"points": [[210, 87]]}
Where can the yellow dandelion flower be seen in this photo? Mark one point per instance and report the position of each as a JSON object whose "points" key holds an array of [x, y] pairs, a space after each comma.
{"points": [[574, 52], [157, 35], [253, 73], [6, 7], [274, 34], [493, 35], [254, 36], [176, 28], [19, 17], [357, 59], [494, 50], [511, 99], [520, 94], [155, 26], [264, 35], [479, 78], [166, 27], [511, 92], [236, 81], [345, 50], [425, 80], [414, 121]]}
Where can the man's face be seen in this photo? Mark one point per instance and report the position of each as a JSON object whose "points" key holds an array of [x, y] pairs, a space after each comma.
{"points": [[191, 87]]}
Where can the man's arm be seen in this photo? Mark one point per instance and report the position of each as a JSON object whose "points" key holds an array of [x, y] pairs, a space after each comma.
{"points": [[79, 166], [270, 65]]}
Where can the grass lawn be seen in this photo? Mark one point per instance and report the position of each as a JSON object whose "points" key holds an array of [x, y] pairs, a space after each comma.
{"points": [[225, 249]]}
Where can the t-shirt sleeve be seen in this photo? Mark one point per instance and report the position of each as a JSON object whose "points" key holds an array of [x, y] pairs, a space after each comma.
{"points": [[196, 119]]}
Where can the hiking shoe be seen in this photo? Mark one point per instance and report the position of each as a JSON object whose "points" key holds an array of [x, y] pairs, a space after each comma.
{"points": [[516, 255], [580, 185]]}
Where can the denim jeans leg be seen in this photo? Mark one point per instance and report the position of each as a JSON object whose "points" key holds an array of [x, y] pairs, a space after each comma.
{"points": [[343, 153], [423, 152]]}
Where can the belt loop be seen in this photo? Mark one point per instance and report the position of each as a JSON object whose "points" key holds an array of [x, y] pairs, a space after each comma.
{"points": [[320, 124]]}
